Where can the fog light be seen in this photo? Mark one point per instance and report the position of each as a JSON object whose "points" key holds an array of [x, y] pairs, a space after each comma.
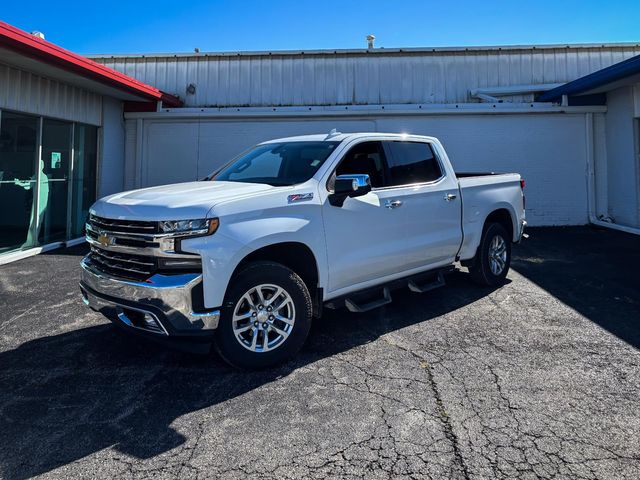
{"points": [[193, 264]]}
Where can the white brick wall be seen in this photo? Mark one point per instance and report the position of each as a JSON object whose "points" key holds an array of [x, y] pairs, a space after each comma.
{"points": [[547, 149]]}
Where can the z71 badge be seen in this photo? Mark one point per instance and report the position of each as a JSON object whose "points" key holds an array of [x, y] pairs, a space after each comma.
{"points": [[300, 197]]}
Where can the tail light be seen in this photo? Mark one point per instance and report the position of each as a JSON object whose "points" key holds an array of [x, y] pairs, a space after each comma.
{"points": [[522, 184]]}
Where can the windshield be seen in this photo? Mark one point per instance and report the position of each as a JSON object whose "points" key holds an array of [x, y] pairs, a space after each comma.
{"points": [[278, 164]]}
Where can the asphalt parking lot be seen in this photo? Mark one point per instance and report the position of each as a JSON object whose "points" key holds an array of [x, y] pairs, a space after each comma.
{"points": [[537, 379]]}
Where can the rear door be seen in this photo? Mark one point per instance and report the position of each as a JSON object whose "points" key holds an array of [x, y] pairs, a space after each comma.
{"points": [[430, 198]]}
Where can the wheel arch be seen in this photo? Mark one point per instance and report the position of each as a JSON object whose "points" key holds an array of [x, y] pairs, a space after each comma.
{"points": [[504, 217], [296, 256], [501, 215]]}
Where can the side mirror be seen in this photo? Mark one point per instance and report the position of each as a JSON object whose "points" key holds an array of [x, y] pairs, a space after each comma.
{"points": [[349, 186]]}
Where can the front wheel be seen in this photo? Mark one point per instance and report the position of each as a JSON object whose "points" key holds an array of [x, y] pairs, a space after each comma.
{"points": [[265, 318], [493, 258]]}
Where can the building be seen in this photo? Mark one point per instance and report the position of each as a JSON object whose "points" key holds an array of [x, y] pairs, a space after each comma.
{"points": [[613, 154], [483, 103], [61, 139], [75, 128]]}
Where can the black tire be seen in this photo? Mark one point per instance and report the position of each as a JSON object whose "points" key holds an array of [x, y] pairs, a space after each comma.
{"points": [[481, 269], [230, 345]]}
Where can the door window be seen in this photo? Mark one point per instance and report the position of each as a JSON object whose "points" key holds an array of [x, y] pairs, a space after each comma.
{"points": [[54, 180], [412, 162], [365, 158]]}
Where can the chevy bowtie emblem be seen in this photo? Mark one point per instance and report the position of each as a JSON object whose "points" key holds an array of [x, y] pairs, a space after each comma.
{"points": [[300, 197], [105, 240]]}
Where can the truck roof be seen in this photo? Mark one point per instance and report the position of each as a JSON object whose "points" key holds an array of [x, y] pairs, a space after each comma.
{"points": [[339, 137]]}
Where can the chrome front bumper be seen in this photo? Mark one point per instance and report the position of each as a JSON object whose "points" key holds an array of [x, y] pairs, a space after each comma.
{"points": [[161, 305]]}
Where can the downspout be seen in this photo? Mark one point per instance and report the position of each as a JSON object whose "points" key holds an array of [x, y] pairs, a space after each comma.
{"points": [[591, 183]]}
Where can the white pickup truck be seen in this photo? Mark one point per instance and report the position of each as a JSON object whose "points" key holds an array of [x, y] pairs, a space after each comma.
{"points": [[246, 258]]}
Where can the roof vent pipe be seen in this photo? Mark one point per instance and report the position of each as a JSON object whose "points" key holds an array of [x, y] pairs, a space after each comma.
{"points": [[370, 40], [38, 34]]}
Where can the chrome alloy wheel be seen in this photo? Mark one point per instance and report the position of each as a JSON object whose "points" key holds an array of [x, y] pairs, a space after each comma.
{"points": [[263, 318], [497, 255]]}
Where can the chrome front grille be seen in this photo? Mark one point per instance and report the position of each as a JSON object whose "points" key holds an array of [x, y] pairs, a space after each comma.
{"points": [[135, 249], [138, 267], [123, 226]]}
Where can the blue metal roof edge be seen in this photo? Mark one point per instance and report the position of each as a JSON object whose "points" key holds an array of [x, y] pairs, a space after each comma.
{"points": [[628, 67]]}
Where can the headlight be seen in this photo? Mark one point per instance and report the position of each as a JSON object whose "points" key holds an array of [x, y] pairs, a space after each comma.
{"points": [[204, 226]]}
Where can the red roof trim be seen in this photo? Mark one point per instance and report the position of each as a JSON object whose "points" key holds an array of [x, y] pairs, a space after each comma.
{"points": [[27, 44]]}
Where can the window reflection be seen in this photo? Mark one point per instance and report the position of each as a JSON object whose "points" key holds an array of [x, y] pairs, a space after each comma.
{"points": [[55, 166], [18, 151]]}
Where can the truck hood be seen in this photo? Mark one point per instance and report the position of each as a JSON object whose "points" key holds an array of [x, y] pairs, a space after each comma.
{"points": [[180, 201]]}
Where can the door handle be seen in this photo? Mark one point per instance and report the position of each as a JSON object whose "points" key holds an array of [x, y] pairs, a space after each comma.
{"points": [[450, 196], [393, 204]]}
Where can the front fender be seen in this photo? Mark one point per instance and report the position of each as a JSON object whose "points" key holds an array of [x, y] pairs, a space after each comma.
{"points": [[237, 237]]}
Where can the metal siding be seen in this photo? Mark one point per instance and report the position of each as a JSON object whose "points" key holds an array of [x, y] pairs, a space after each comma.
{"points": [[363, 79], [25, 92]]}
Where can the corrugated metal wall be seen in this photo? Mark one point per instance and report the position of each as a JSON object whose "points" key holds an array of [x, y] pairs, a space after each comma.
{"points": [[389, 77], [25, 92]]}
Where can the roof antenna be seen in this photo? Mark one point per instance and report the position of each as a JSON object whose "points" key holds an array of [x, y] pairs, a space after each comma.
{"points": [[333, 133]]}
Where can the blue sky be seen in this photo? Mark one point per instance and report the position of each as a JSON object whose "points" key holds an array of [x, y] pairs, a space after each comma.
{"points": [[180, 26]]}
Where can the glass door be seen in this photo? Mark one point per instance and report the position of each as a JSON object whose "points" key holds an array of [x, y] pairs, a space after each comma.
{"points": [[18, 181], [54, 170], [48, 176]]}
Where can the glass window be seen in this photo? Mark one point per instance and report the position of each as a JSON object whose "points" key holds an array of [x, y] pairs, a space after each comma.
{"points": [[282, 163], [83, 181], [412, 162], [365, 158], [18, 180], [54, 180]]}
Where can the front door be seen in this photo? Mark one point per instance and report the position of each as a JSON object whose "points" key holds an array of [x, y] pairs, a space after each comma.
{"points": [[365, 237]]}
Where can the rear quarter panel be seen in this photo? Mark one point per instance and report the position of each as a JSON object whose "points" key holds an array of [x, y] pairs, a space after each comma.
{"points": [[480, 197]]}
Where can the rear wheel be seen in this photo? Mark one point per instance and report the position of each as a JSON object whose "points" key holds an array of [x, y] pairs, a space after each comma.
{"points": [[266, 316], [493, 258]]}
